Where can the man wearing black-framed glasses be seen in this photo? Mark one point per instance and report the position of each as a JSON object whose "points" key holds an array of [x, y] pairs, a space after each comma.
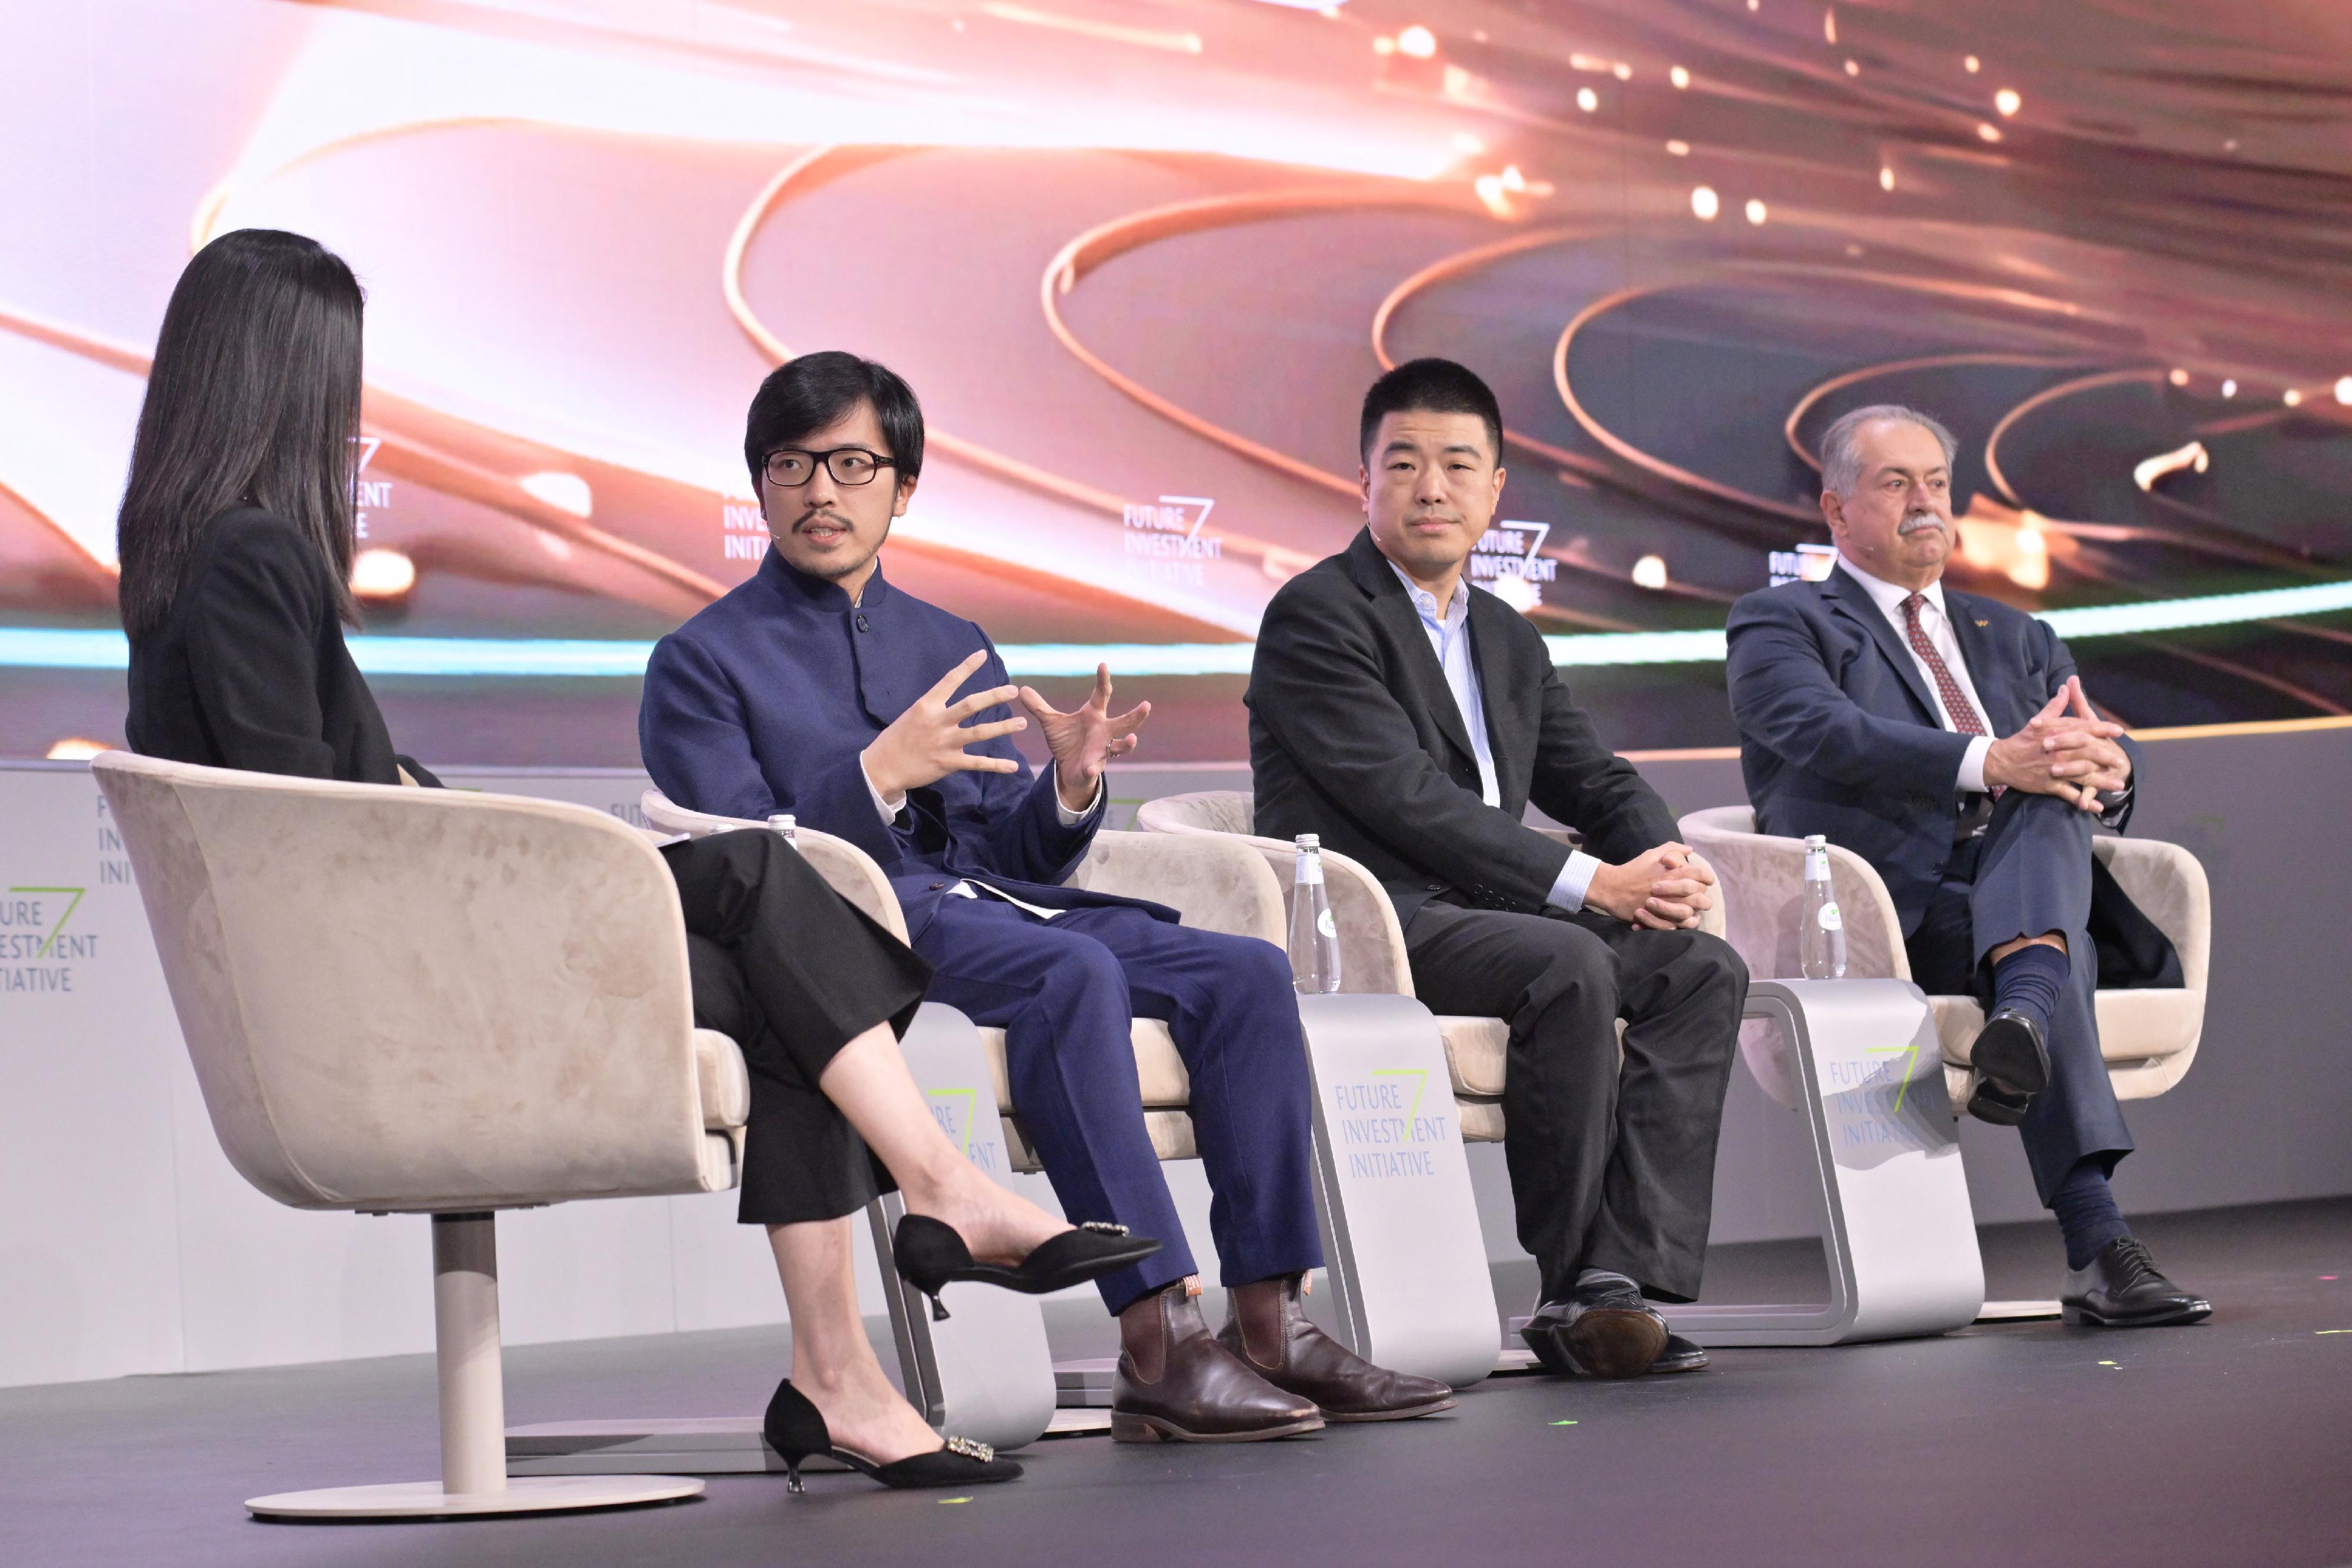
{"points": [[821, 689]]}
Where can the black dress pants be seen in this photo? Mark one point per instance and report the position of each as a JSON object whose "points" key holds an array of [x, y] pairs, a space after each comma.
{"points": [[791, 972], [2029, 872], [1613, 1164]]}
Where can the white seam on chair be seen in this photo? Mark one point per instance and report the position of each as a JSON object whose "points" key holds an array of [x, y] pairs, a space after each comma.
{"points": [[236, 993]]}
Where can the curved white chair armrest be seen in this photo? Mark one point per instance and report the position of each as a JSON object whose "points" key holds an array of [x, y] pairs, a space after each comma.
{"points": [[847, 869], [1215, 883], [1762, 879], [2167, 885]]}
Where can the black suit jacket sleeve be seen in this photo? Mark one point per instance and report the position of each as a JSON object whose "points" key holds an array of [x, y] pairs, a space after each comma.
{"points": [[1318, 684], [251, 622], [1580, 781], [1786, 700]]}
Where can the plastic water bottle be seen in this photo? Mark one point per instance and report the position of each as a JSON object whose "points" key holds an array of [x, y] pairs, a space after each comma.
{"points": [[785, 823], [1314, 936], [1823, 944]]}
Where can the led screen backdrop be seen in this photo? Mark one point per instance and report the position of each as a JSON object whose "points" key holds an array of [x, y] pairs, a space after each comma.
{"points": [[1140, 261]]}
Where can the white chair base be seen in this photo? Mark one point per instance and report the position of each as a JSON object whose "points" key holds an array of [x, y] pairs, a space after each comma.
{"points": [[1899, 1234], [431, 1500], [473, 1414]]}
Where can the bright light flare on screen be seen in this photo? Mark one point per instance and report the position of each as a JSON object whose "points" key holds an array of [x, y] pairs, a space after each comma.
{"points": [[1987, 132], [1887, 177], [1586, 100], [2008, 101], [1705, 202], [2146, 472], [1829, 24], [1971, 63], [2178, 377], [75, 749], [1108, 32], [383, 574], [1650, 572], [1757, 212], [2292, 397], [1418, 42], [564, 492], [1678, 148], [1679, 77], [2230, 387], [2344, 389]]}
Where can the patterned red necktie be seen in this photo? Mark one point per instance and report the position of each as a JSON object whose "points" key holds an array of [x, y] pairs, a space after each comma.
{"points": [[1956, 700]]}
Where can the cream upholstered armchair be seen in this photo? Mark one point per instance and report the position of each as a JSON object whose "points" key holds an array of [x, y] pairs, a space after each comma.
{"points": [[433, 1001], [1215, 887], [1372, 943], [2148, 1035]]}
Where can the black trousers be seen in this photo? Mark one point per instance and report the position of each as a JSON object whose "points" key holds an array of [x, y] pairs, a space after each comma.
{"points": [[2029, 872], [791, 972], [1613, 1164]]}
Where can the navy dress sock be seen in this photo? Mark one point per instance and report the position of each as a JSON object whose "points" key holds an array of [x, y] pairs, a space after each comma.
{"points": [[2086, 1211], [2031, 980]]}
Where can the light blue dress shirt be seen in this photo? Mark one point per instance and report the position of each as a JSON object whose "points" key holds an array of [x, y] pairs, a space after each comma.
{"points": [[1449, 639]]}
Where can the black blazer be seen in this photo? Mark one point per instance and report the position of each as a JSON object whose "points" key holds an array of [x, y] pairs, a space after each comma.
{"points": [[1838, 735], [1355, 736], [250, 670]]}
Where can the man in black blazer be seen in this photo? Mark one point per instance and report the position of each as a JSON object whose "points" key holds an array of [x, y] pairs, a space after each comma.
{"points": [[1946, 738], [1409, 720]]}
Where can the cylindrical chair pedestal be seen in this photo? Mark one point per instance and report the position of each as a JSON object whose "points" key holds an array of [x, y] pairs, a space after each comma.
{"points": [[473, 1414]]}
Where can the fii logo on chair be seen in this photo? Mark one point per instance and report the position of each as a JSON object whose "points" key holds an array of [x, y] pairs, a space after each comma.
{"points": [[37, 952], [1378, 1123], [957, 1111]]}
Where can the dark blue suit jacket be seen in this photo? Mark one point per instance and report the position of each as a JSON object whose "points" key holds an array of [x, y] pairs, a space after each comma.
{"points": [[1839, 735], [763, 700]]}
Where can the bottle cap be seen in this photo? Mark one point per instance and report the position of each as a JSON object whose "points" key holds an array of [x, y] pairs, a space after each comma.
{"points": [[783, 822], [1817, 842], [1309, 842]]}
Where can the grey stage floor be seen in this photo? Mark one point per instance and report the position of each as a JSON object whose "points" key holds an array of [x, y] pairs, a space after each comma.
{"points": [[2032, 1443]]}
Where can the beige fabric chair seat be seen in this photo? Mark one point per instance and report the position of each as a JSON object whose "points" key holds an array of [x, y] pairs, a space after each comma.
{"points": [[1215, 887], [2147, 1037], [1372, 958]]}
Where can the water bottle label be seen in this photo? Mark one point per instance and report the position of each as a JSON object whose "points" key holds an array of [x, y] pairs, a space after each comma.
{"points": [[1325, 924], [1830, 919]]}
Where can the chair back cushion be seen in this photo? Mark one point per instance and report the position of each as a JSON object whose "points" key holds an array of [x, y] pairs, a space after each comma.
{"points": [[429, 999], [847, 869]]}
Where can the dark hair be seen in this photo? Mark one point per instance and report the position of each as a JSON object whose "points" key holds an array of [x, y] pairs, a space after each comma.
{"points": [[1434, 386], [254, 397], [813, 391]]}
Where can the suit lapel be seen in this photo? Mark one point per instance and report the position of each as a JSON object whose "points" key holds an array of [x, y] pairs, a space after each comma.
{"points": [[1851, 600], [1993, 680], [1393, 608], [1489, 655]]}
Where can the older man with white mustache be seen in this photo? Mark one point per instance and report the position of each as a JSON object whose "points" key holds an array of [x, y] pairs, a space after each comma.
{"points": [[1946, 739]]}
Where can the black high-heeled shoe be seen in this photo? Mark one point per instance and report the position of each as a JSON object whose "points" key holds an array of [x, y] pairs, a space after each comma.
{"points": [[795, 1429], [931, 1256]]}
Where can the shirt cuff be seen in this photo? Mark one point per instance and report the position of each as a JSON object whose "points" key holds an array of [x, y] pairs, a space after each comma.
{"points": [[882, 803], [1072, 819], [1575, 878], [1971, 780]]}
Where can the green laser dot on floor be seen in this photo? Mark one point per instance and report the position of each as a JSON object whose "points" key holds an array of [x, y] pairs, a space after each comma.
{"points": [[945, 1500], [1563, 1423]]}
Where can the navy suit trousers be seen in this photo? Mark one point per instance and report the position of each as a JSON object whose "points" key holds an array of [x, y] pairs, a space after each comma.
{"points": [[1064, 992], [2029, 872]]}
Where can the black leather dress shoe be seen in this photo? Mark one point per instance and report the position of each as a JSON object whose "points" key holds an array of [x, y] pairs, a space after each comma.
{"points": [[1606, 1332], [2012, 1065], [1680, 1355], [2123, 1289]]}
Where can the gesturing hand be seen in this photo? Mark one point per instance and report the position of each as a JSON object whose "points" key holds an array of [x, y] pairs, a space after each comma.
{"points": [[1085, 738], [2065, 750], [1663, 889], [926, 743]]}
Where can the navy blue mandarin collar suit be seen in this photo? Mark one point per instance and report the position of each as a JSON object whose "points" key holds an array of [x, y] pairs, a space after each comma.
{"points": [[746, 712], [762, 701]]}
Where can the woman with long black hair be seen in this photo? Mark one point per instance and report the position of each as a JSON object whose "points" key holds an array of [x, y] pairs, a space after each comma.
{"points": [[236, 537]]}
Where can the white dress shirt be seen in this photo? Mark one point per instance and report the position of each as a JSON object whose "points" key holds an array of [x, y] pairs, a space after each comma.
{"points": [[1936, 622], [1449, 639]]}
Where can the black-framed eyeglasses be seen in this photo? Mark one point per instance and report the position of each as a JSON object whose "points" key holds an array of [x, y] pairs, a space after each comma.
{"points": [[789, 468]]}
